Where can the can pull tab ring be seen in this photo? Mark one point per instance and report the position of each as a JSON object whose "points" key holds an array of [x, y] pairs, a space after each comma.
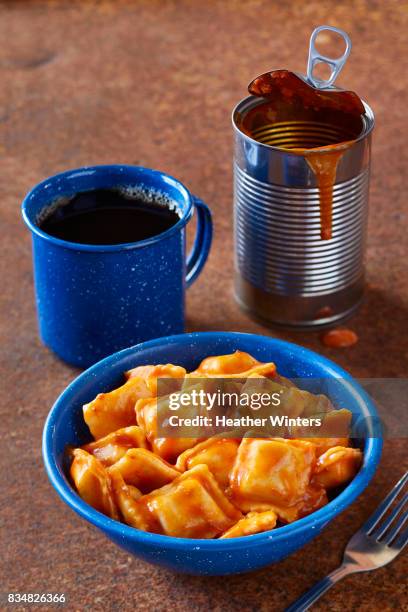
{"points": [[316, 58]]}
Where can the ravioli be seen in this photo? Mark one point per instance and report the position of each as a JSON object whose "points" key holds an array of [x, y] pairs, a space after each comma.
{"points": [[217, 486], [235, 363], [271, 471], [192, 506], [167, 448], [116, 409], [145, 470], [127, 498], [253, 522], [112, 447], [93, 482], [217, 453], [337, 466], [172, 375]]}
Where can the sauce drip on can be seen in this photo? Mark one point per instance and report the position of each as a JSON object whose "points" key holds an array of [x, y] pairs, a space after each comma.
{"points": [[289, 98]]}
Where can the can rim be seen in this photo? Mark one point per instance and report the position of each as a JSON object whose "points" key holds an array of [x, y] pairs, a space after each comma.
{"points": [[368, 125]]}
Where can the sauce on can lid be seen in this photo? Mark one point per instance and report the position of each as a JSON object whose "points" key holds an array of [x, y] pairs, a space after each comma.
{"points": [[287, 87]]}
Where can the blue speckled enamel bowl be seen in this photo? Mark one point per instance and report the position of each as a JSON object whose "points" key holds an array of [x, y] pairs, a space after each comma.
{"points": [[65, 425]]}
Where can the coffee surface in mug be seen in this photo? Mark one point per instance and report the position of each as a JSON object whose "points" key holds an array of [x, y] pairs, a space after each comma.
{"points": [[109, 216]]}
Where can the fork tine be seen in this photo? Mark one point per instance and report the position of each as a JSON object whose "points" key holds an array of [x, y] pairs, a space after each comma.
{"points": [[401, 541], [383, 528], [396, 529], [385, 504]]}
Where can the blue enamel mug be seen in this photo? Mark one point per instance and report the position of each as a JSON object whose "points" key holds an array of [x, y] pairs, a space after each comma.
{"points": [[93, 300]]}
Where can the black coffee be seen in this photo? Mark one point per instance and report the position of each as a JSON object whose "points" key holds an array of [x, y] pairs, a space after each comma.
{"points": [[108, 216]]}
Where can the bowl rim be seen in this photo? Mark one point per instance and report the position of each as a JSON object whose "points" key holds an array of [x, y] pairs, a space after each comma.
{"points": [[319, 518]]}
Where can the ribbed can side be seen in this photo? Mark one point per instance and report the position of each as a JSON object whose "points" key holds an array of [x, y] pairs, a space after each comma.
{"points": [[277, 236]]}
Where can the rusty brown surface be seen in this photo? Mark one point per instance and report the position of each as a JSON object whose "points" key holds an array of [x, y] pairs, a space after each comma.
{"points": [[153, 83]]}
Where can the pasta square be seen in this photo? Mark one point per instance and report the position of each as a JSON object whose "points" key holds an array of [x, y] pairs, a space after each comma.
{"points": [[217, 453], [151, 373], [167, 448], [253, 522], [234, 363], [192, 506], [126, 498], [145, 470], [93, 483], [112, 447], [271, 471], [116, 409], [337, 466]]}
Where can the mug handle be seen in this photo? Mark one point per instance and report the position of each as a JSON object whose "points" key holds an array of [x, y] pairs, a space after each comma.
{"points": [[202, 243]]}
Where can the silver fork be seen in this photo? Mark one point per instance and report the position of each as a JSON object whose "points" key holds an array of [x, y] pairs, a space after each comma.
{"points": [[374, 545]]}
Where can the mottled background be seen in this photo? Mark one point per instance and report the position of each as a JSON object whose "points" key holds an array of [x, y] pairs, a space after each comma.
{"points": [[153, 83]]}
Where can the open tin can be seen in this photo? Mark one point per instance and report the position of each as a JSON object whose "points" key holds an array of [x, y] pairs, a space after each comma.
{"points": [[285, 273]]}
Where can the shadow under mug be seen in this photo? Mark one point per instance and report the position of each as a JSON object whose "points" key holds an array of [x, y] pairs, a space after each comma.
{"points": [[93, 300]]}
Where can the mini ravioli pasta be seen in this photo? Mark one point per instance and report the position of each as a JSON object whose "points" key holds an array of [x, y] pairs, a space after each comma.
{"points": [[219, 487]]}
